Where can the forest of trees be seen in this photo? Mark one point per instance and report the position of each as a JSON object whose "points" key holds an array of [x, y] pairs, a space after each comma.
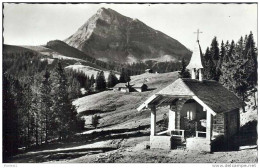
{"points": [[37, 99], [160, 67], [233, 64], [37, 106]]}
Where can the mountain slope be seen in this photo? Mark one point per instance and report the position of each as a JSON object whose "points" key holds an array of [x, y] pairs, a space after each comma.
{"points": [[9, 49], [57, 49], [110, 36]]}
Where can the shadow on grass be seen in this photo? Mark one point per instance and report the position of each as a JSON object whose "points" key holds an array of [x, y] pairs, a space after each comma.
{"points": [[59, 150], [59, 154], [115, 133], [91, 112]]}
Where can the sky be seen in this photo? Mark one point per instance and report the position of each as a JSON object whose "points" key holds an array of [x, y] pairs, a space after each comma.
{"points": [[36, 24]]}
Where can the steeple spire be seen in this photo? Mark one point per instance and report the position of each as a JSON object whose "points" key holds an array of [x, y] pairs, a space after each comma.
{"points": [[195, 61]]}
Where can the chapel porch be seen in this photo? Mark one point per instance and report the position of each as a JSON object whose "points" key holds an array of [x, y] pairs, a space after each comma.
{"points": [[189, 126]]}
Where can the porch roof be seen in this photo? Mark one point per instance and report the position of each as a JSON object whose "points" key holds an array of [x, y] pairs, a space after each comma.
{"points": [[209, 93]]}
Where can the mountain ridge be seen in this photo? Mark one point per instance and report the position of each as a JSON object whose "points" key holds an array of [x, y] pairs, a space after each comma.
{"points": [[111, 36]]}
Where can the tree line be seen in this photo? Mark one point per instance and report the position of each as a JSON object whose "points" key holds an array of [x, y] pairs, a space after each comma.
{"points": [[92, 84], [37, 106], [37, 99], [160, 67], [233, 64]]}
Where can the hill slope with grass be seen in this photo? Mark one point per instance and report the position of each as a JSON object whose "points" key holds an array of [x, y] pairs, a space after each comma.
{"points": [[88, 70], [117, 109]]}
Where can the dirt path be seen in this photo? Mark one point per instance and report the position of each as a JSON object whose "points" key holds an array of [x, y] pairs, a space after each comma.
{"points": [[134, 151]]}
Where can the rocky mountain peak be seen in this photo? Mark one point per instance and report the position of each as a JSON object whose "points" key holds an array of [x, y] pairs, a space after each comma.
{"points": [[110, 36]]}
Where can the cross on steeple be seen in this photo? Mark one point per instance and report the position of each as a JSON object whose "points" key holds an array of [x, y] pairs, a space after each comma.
{"points": [[198, 32]]}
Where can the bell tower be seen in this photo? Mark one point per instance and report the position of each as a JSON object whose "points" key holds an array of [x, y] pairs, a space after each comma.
{"points": [[195, 64]]}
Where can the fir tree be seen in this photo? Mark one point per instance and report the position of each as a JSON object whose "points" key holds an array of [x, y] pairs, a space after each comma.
{"points": [[61, 103], [214, 50], [184, 73], [87, 83], [125, 76], [251, 56], [10, 121], [74, 88], [92, 80], [122, 76], [209, 71], [112, 80], [100, 81], [28, 94], [46, 106]]}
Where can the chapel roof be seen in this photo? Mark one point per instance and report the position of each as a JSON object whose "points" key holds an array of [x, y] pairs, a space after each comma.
{"points": [[210, 92]]}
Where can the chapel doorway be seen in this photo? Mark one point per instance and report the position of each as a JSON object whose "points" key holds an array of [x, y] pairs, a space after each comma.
{"points": [[191, 116]]}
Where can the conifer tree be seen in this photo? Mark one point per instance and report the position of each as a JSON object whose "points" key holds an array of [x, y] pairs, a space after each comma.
{"points": [[214, 53], [214, 50], [225, 57], [231, 51], [220, 61], [87, 83], [184, 73], [28, 94], [10, 121], [92, 80], [36, 118], [251, 55], [122, 76], [127, 75], [209, 71], [18, 92], [46, 105], [74, 88], [112, 80], [100, 81], [61, 103]]}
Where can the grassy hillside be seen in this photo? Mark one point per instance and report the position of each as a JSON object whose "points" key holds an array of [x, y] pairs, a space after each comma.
{"points": [[90, 70], [65, 49], [118, 110]]}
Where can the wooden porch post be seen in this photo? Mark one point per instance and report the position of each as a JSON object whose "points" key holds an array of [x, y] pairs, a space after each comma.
{"points": [[178, 119], [171, 122], [209, 127], [153, 120]]}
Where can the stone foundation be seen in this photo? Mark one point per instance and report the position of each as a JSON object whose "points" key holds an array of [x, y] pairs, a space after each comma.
{"points": [[198, 144], [160, 142]]}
